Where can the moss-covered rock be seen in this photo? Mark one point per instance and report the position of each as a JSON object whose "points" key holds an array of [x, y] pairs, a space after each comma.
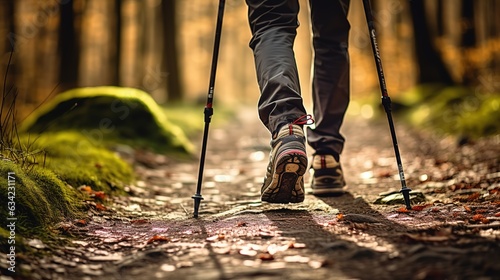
{"points": [[77, 161], [42, 184], [110, 114], [38, 198]]}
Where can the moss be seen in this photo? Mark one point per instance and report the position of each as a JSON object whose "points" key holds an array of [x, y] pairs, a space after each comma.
{"points": [[482, 118], [44, 194], [110, 114], [191, 118], [457, 111], [77, 161], [418, 94], [41, 198]]}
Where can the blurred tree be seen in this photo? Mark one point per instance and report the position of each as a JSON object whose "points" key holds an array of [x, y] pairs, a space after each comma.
{"points": [[164, 46], [170, 53], [68, 46], [431, 67], [132, 39], [6, 32], [6, 24], [440, 18], [118, 42], [468, 42], [6, 46]]}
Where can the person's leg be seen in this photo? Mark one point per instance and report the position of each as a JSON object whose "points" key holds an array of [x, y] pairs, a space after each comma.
{"points": [[330, 86], [273, 24], [330, 89]]}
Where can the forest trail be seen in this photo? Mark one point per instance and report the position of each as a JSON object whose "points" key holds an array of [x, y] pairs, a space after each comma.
{"points": [[452, 234]]}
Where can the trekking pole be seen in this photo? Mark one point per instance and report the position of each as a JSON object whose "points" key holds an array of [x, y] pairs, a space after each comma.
{"points": [[208, 112], [386, 100]]}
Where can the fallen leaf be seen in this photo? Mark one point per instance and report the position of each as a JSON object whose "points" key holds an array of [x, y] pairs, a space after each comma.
{"points": [[158, 238], [419, 207], [81, 222], [241, 224], [99, 195], [340, 216], [485, 221], [403, 210], [265, 257], [473, 197], [85, 188], [497, 214], [139, 222], [478, 217], [100, 207], [467, 208], [494, 191]]}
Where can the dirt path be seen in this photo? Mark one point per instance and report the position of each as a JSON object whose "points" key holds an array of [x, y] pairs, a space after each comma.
{"points": [[453, 234]]}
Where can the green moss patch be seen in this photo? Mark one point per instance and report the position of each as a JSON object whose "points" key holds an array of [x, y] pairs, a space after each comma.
{"points": [[78, 161], [191, 118], [453, 110], [109, 115], [39, 198], [43, 186]]}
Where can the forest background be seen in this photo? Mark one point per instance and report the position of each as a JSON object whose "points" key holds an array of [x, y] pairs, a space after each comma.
{"points": [[165, 47]]}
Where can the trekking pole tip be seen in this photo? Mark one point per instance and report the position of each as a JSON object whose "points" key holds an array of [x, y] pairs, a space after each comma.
{"points": [[197, 200], [406, 195]]}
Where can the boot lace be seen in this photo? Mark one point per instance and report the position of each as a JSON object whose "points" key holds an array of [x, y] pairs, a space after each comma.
{"points": [[302, 120]]}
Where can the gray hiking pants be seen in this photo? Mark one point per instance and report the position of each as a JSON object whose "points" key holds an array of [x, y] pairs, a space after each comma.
{"points": [[273, 24]]}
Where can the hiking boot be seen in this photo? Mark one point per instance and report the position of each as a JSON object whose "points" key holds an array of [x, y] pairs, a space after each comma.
{"points": [[284, 181], [328, 178]]}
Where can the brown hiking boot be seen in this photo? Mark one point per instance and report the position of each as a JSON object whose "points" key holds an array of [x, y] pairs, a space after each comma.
{"points": [[284, 181], [328, 178]]}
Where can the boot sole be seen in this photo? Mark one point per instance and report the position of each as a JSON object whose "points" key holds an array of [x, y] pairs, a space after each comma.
{"points": [[287, 184]]}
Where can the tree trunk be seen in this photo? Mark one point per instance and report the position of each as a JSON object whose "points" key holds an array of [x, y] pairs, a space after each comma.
{"points": [[468, 42], [118, 42], [7, 82], [440, 20], [170, 60], [69, 50], [431, 68]]}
